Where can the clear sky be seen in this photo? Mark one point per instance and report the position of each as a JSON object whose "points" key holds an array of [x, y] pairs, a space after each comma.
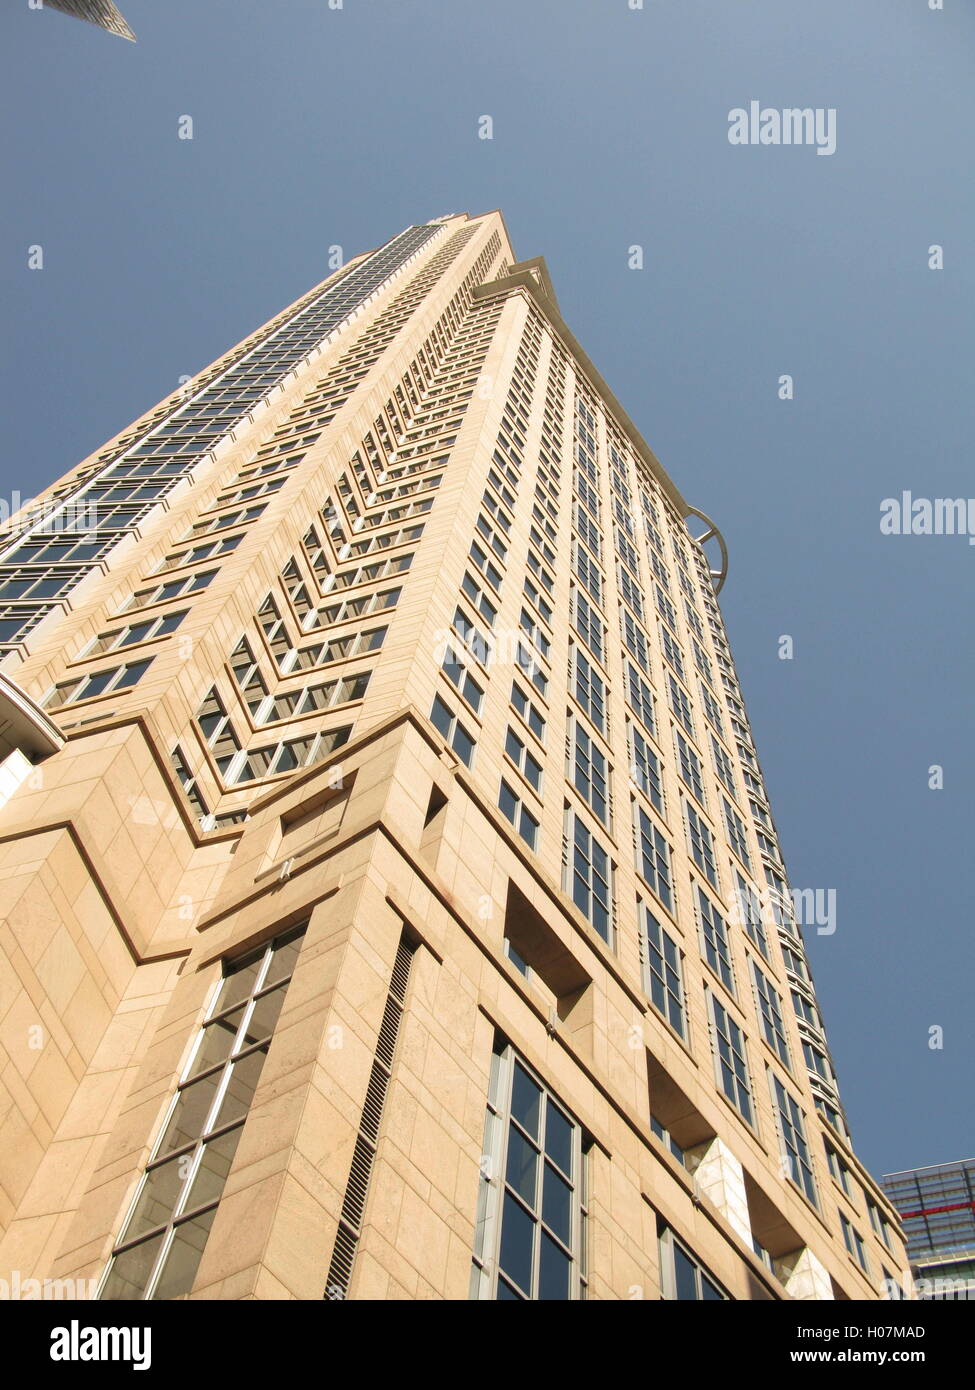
{"points": [[315, 126]]}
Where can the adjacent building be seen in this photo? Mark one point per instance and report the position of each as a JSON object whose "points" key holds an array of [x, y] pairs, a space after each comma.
{"points": [[936, 1207], [392, 905]]}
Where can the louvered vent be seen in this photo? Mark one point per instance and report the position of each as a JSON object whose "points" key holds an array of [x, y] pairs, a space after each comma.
{"points": [[357, 1186]]}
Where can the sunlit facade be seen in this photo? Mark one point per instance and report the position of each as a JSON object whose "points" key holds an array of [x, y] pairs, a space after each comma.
{"points": [[393, 907]]}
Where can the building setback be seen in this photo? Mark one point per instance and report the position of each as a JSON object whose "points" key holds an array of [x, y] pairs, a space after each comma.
{"points": [[392, 906]]}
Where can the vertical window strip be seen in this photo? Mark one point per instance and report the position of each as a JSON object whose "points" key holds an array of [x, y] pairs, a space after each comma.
{"points": [[530, 1241], [167, 1226]]}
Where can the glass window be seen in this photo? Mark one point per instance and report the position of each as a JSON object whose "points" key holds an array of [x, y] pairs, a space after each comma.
{"points": [[770, 1012], [640, 698], [663, 972], [853, 1241], [682, 1276], [690, 767], [530, 1233], [792, 1134], [447, 723], [701, 844], [529, 711], [737, 836], [589, 688], [653, 858], [588, 875], [97, 683], [514, 809], [645, 768], [731, 1064], [162, 1240], [714, 940], [589, 625], [681, 706], [589, 772], [523, 759]]}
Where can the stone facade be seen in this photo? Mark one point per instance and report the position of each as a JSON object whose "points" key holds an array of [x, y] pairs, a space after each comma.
{"points": [[486, 840]]}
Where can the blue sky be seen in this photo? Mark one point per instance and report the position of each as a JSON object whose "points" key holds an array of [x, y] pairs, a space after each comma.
{"points": [[315, 126]]}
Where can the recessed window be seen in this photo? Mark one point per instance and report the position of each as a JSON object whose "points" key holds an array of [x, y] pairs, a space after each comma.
{"points": [[663, 971], [588, 687], [640, 698], [736, 834], [681, 706], [653, 858], [838, 1170], [682, 1275], [455, 668], [701, 844], [532, 1200], [588, 875], [770, 1012], [479, 600], [514, 809], [454, 732], [853, 1241], [160, 626], [165, 1233], [731, 1065], [792, 1134], [524, 760], [528, 711], [690, 767], [715, 944], [589, 771], [645, 768], [589, 625], [97, 683]]}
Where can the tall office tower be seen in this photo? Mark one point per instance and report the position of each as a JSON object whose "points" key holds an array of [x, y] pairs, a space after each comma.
{"points": [[936, 1207], [393, 908], [101, 12]]}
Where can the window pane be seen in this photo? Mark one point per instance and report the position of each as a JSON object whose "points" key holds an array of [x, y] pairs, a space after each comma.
{"points": [[554, 1269], [285, 958], [239, 984], [158, 1198], [556, 1205], [289, 757], [463, 745], [684, 1275], [216, 1042], [441, 717], [243, 1083], [517, 1233], [558, 1139], [131, 674], [265, 1015], [522, 1166], [506, 1293], [525, 1099], [96, 684], [130, 1271], [507, 801], [183, 1259], [187, 1120], [215, 1163]]}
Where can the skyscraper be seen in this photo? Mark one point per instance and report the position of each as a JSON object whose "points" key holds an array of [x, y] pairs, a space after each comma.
{"points": [[936, 1207], [393, 905], [104, 13]]}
